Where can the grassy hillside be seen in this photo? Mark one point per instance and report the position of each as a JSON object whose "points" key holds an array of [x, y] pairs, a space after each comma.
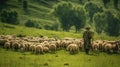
{"points": [[40, 12], [7, 29], [35, 11]]}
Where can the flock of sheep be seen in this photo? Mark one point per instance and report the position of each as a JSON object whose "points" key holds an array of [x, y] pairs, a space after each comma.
{"points": [[40, 45]]}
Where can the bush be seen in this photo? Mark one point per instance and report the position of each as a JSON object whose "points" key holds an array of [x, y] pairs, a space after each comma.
{"points": [[9, 16], [33, 23], [30, 23]]}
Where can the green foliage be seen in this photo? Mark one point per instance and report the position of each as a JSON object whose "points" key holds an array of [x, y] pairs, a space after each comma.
{"points": [[64, 12], [100, 22], [92, 8], [108, 22], [79, 17], [32, 23], [105, 2], [70, 15], [113, 24], [9, 16]]}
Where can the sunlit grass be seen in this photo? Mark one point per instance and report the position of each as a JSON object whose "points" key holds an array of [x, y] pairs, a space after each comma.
{"points": [[61, 58], [21, 30]]}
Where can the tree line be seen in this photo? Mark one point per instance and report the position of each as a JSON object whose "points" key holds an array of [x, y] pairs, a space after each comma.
{"points": [[71, 14], [105, 20]]}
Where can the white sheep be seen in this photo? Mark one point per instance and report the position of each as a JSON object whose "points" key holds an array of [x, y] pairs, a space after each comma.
{"points": [[2, 42], [39, 49], [32, 48], [45, 49], [73, 48], [52, 47], [7, 45], [15, 45]]}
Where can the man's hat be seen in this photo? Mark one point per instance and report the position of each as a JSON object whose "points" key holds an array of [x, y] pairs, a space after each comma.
{"points": [[87, 28]]}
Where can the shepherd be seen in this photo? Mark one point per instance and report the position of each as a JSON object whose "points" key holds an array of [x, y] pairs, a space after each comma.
{"points": [[87, 37]]}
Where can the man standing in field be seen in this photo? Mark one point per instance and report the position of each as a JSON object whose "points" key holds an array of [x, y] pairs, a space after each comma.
{"points": [[87, 37]]}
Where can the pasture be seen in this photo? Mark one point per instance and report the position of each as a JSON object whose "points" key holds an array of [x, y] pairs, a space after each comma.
{"points": [[61, 58]]}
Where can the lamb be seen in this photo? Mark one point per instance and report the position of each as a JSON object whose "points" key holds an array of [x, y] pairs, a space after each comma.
{"points": [[73, 48]]}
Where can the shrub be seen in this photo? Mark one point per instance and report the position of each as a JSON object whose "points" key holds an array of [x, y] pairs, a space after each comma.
{"points": [[9, 16]]}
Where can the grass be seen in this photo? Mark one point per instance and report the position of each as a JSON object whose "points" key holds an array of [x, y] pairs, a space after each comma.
{"points": [[7, 29], [61, 58]]}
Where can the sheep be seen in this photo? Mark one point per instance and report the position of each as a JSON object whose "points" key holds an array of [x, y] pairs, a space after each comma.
{"points": [[7, 45], [32, 48], [45, 44], [72, 48], [15, 45], [27, 46], [45, 49], [107, 47], [95, 46], [58, 44], [79, 43], [39, 49], [2, 42], [52, 47], [65, 43]]}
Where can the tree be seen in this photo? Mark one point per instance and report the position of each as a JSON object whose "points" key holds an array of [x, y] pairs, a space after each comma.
{"points": [[100, 22], [108, 22], [63, 12], [79, 18], [113, 24], [92, 8], [70, 15], [9, 16]]}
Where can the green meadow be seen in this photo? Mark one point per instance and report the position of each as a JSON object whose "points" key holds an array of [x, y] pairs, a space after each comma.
{"points": [[61, 58]]}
